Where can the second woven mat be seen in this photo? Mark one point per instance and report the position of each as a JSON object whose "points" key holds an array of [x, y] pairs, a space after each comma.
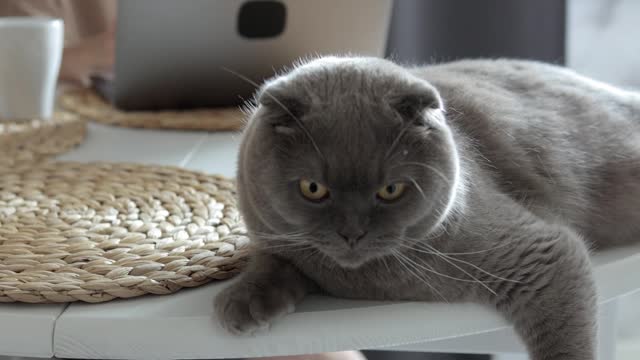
{"points": [[25, 142], [87, 103], [95, 232]]}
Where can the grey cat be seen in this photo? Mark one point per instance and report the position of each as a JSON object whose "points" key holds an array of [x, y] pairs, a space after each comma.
{"points": [[480, 180]]}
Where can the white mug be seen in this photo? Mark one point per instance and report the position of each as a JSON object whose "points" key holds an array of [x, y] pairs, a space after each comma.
{"points": [[30, 56]]}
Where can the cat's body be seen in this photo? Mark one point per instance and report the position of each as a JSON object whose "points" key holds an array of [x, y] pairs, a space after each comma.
{"points": [[562, 145], [507, 166]]}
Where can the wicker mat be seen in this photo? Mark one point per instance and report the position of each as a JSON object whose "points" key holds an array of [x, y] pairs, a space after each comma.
{"points": [[95, 232], [31, 141], [88, 104]]}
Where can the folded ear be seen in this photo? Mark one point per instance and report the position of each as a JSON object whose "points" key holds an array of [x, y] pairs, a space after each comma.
{"points": [[284, 107], [412, 99], [279, 101]]}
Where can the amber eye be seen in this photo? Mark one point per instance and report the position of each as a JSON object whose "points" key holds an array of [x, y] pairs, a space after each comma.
{"points": [[313, 190], [392, 191]]}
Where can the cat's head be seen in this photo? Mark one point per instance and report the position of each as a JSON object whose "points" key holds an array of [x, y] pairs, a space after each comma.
{"points": [[350, 156]]}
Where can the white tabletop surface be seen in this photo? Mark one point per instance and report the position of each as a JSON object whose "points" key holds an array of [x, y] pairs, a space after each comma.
{"points": [[182, 325]]}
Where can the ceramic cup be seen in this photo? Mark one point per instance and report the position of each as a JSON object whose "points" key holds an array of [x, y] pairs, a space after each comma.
{"points": [[30, 56]]}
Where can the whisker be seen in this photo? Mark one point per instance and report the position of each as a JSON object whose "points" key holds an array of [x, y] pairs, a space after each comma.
{"points": [[292, 246], [276, 237], [285, 243], [291, 234], [282, 238], [465, 272], [479, 251], [384, 261], [310, 255], [481, 269], [418, 187], [425, 281], [444, 229], [285, 247], [420, 241], [285, 250], [429, 167], [434, 252], [396, 141], [433, 271]]}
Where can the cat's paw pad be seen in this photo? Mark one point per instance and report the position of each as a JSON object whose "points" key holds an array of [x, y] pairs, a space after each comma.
{"points": [[244, 309]]}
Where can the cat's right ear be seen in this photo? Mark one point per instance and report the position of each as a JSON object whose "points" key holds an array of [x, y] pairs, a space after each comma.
{"points": [[284, 109]]}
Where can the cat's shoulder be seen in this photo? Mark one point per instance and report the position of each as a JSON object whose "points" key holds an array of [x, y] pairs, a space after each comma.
{"points": [[518, 77], [479, 65], [471, 71]]}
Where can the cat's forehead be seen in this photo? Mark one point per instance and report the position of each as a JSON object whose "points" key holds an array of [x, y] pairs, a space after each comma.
{"points": [[334, 79], [354, 144], [352, 123]]}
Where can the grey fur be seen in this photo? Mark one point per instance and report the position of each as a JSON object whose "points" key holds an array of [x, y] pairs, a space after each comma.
{"points": [[509, 164]]}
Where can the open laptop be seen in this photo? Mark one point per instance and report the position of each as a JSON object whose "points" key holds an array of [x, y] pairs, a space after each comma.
{"points": [[174, 54]]}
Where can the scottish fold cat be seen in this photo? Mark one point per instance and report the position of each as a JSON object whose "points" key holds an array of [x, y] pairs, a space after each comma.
{"points": [[480, 180]]}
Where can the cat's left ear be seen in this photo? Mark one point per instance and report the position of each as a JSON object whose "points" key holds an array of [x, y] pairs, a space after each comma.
{"points": [[413, 100]]}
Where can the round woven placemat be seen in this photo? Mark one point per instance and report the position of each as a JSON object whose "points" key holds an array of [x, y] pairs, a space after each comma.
{"points": [[87, 103], [25, 142], [95, 232]]}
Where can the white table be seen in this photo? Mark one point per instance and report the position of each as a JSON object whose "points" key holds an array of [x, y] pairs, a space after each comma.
{"points": [[182, 325]]}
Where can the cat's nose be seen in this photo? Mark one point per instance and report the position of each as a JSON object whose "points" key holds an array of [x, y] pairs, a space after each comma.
{"points": [[352, 236]]}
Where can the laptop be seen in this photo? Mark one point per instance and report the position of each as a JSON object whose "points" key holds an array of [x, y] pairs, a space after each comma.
{"points": [[189, 54]]}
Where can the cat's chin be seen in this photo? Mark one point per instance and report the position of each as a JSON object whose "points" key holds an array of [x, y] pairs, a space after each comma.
{"points": [[351, 259]]}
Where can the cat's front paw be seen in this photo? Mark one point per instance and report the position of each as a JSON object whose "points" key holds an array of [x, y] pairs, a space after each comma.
{"points": [[245, 308]]}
